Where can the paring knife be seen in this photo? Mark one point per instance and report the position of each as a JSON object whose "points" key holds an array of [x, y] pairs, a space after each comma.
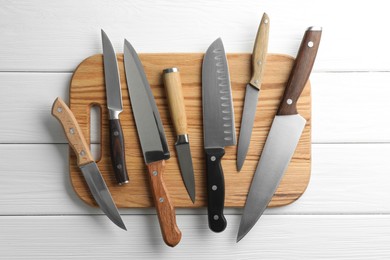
{"points": [[252, 90], [114, 104], [85, 161], [153, 142], [283, 136], [174, 91], [218, 128]]}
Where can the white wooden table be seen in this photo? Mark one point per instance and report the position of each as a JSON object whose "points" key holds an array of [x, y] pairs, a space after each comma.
{"points": [[345, 212]]}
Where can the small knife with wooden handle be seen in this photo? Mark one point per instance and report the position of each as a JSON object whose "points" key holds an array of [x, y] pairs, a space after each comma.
{"points": [[174, 91], [88, 167]]}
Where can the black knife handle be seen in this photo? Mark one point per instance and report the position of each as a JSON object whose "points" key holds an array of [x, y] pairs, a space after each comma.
{"points": [[215, 189], [117, 150]]}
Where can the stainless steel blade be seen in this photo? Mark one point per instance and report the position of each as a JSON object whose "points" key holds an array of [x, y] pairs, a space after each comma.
{"points": [[187, 171], [145, 111], [111, 77], [218, 113], [248, 118], [100, 193], [278, 150]]}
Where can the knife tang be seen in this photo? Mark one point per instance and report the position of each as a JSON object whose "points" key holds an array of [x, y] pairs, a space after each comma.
{"points": [[300, 72], [117, 151], [165, 209], [260, 52], [215, 189], [72, 131], [174, 91]]}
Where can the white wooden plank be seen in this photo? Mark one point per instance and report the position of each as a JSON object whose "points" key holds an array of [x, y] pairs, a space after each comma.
{"points": [[346, 107], [274, 237], [346, 179], [56, 35]]}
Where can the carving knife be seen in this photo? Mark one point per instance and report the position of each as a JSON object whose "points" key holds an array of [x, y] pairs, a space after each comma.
{"points": [[88, 167], [174, 91], [283, 136], [153, 142], [252, 90], [218, 128], [114, 104]]}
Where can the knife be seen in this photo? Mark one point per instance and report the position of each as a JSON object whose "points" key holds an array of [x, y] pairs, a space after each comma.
{"points": [[283, 136], [218, 128], [252, 90], [174, 91], [85, 161], [153, 142], [114, 104]]}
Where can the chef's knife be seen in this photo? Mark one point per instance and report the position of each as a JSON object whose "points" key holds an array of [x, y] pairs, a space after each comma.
{"points": [[283, 136], [252, 90], [114, 104], [174, 91], [88, 167], [153, 142], [218, 128]]}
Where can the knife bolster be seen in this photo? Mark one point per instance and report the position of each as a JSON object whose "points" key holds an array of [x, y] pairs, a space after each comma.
{"points": [[182, 139]]}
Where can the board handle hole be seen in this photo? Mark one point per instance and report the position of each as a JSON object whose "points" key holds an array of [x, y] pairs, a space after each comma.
{"points": [[95, 118]]}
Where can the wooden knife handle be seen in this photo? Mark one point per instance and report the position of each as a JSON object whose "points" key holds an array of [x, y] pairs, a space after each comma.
{"points": [[260, 52], [72, 131], [117, 151], [165, 209], [301, 71], [174, 92]]}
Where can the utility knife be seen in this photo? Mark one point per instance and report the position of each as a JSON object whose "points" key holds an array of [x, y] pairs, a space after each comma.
{"points": [[87, 165], [283, 137]]}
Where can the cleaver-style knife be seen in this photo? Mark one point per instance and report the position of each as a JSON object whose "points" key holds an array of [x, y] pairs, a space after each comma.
{"points": [[88, 167], [174, 91], [153, 142], [252, 90], [218, 128], [114, 104], [283, 137]]}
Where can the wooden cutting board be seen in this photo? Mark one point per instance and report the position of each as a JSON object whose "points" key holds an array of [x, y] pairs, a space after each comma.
{"points": [[87, 89]]}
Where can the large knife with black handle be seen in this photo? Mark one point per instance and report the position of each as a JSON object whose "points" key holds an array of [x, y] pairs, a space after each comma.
{"points": [[283, 137], [114, 104], [88, 167], [252, 90], [218, 128], [153, 142]]}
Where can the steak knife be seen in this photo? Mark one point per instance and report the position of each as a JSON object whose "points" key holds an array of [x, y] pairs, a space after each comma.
{"points": [[283, 137], [253, 90], [88, 167], [174, 91], [153, 142], [114, 104], [218, 128]]}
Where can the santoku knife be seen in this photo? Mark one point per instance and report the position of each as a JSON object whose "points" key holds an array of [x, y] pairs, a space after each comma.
{"points": [[218, 128], [283, 136], [114, 104], [252, 90], [174, 91], [153, 142], [88, 167]]}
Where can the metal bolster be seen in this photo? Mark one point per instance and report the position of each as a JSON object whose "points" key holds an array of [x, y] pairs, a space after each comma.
{"points": [[182, 139], [113, 114]]}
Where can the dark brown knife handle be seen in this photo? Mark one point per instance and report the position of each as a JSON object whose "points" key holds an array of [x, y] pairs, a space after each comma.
{"points": [[301, 71], [165, 209], [215, 189], [117, 150]]}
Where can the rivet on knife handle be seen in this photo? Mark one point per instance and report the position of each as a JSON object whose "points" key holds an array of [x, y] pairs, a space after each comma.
{"points": [[260, 51], [165, 209], [300, 71], [73, 132]]}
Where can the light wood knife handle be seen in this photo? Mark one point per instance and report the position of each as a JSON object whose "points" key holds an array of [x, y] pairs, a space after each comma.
{"points": [[72, 131], [300, 71], [165, 209], [174, 92], [260, 52]]}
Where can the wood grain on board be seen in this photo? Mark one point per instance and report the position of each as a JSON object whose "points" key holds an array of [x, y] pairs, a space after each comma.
{"points": [[87, 89]]}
